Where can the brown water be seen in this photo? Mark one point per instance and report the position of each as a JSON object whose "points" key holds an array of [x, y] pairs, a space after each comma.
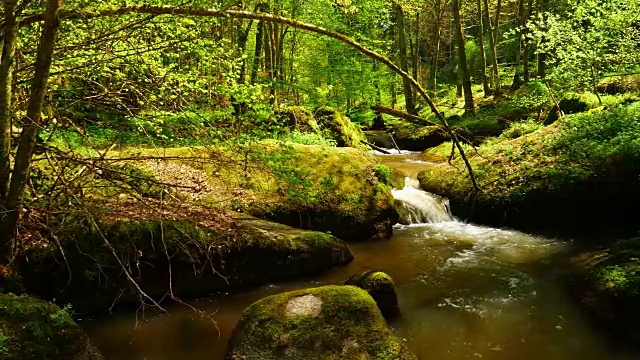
{"points": [[466, 292]]}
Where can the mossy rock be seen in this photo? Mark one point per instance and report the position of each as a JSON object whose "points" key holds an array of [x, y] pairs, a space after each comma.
{"points": [[343, 191], [338, 127], [417, 138], [244, 252], [298, 118], [606, 283], [33, 329], [331, 322], [381, 288]]}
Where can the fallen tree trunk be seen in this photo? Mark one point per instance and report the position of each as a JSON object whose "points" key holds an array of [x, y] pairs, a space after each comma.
{"points": [[403, 115], [376, 147]]}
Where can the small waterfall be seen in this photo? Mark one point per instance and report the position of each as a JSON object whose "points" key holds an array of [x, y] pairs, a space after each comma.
{"points": [[418, 207]]}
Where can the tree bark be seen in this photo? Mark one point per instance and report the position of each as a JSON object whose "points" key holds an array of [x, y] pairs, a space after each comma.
{"points": [[188, 11], [526, 45], [404, 63], [33, 121], [397, 113], [463, 68], [494, 53], [10, 32], [542, 57], [378, 120], [436, 51], [517, 79], [257, 53], [483, 58]]}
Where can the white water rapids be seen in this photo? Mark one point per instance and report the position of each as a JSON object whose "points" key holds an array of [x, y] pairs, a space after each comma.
{"points": [[418, 207]]}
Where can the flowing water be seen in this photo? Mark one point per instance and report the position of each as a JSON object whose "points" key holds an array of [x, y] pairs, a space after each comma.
{"points": [[466, 292]]}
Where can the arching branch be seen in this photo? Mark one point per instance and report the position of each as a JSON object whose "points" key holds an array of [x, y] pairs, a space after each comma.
{"points": [[240, 14]]}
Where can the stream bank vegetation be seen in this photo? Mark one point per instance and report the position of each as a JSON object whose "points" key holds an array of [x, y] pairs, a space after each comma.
{"points": [[145, 143]]}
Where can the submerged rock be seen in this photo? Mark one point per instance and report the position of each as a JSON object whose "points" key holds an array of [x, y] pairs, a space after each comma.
{"points": [[381, 288], [33, 329], [245, 251], [331, 322]]}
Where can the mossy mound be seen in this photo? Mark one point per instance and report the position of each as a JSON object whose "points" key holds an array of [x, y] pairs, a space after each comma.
{"points": [[381, 288], [331, 322], [583, 170], [339, 128], [413, 137], [184, 257], [33, 329], [341, 190], [607, 285], [298, 118]]}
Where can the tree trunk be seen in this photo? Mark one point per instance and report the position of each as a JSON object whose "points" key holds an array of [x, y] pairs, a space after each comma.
{"points": [[415, 54], [542, 57], [517, 79], [33, 121], [436, 51], [404, 63], [6, 94], [463, 69], [494, 53], [378, 120], [483, 58], [243, 37], [526, 45], [257, 54]]}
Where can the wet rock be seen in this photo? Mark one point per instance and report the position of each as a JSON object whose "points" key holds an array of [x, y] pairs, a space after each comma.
{"points": [[381, 288], [33, 329], [331, 322], [247, 251]]}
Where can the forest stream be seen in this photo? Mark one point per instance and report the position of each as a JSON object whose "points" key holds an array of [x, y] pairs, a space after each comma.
{"points": [[465, 291]]}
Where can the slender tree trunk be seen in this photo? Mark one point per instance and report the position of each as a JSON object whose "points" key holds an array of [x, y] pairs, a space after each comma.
{"points": [[494, 53], [526, 46], [415, 55], [404, 63], [378, 120], [436, 51], [257, 54], [243, 37], [542, 57], [496, 23], [394, 94], [483, 58], [463, 69], [33, 121], [6, 94], [517, 79]]}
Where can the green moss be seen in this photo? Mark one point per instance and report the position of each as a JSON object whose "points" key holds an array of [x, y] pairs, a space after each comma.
{"points": [[381, 288], [340, 128], [36, 329], [348, 326]]}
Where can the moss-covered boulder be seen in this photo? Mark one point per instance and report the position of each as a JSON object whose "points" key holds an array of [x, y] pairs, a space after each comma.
{"points": [[606, 283], [298, 118], [331, 322], [381, 288], [192, 257], [33, 329], [339, 190], [338, 127]]}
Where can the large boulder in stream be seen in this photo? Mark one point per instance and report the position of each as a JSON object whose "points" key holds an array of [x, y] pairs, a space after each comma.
{"points": [[190, 257], [381, 288], [331, 322], [33, 329]]}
